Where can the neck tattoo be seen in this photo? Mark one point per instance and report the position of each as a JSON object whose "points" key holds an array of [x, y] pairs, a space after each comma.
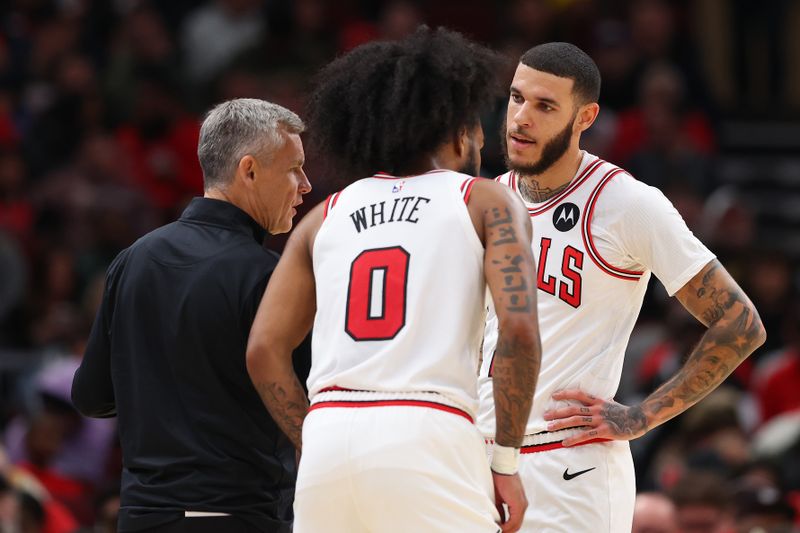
{"points": [[534, 193]]}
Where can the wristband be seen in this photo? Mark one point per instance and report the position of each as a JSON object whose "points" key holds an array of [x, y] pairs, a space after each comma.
{"points": [[505, 459]]}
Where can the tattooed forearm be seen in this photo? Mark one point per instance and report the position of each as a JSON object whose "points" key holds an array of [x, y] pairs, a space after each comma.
{"points": [[287, 404], [734, 332], [516, 370], [532, 191]]}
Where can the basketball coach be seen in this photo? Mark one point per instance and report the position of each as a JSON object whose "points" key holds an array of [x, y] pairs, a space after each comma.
{"points": [[166, 353]]}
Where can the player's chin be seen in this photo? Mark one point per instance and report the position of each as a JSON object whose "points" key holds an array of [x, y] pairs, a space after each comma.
{"points": [[519, 161]]}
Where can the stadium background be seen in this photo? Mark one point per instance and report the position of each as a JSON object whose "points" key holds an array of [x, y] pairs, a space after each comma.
{"points": [[100, 103]]}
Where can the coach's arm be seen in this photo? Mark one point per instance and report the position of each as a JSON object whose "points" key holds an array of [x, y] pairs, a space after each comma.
{"points": [[734, 332]]}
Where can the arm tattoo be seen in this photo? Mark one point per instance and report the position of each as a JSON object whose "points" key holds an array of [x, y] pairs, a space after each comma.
{"points": [[535, 193], [516, 370], [624, 420], [501, 230], [514, 284], [287, 406], [734, 332]]}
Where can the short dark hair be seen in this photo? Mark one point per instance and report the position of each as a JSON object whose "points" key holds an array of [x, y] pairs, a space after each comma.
{"points": [[384, 104], [566, 60]]}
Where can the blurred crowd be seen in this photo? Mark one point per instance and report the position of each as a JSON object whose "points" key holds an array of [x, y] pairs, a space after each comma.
{"points": [[100, 102]]}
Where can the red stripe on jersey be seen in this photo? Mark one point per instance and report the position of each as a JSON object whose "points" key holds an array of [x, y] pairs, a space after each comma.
{"points": [[586, 234], [466, 188], [330, 201], [552, 202], [390, 403], [555, 445]]}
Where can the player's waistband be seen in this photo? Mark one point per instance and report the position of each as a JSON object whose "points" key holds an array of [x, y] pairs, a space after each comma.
{"points": [[339, 397], [549, 440]]}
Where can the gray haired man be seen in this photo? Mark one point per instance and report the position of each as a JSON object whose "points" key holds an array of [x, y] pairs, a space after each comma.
{"points": [[167, 350]]}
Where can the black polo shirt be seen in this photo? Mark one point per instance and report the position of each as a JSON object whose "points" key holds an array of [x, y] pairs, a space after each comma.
{"points": [[167, 356]]}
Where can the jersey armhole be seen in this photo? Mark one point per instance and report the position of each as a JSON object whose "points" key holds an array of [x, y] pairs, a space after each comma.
{"points": [[330, 202], [466, 189], [586, 233]]}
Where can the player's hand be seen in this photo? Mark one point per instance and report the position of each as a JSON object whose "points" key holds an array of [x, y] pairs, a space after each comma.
{"points": [[508, 490], [602, 419]]}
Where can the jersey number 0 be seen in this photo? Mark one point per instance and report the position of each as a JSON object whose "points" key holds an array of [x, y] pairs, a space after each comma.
{"points": [[376, 294]]}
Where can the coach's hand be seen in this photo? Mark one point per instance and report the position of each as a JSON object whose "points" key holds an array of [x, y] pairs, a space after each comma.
{"points": [[602, 419], [508, 490]]}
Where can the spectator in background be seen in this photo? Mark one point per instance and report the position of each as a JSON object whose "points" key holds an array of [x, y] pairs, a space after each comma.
{"points": [[762, 510], [663, 141], [654, 512], [235, 26], [16, 210], [141, 45], [769, 281], [161, 144], [703, 504], [778, 379], [67, 453]]}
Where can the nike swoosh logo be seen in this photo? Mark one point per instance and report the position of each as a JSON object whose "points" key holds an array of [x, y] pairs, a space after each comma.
{"points": [[568, 476]]}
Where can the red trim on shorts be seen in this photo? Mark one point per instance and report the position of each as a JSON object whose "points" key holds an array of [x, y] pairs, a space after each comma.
{"points": [[390, 403], [555, 445], [586, 233]]}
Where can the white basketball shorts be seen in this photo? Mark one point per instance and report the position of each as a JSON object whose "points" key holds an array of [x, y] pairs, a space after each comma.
{"points": [[393, 469]]}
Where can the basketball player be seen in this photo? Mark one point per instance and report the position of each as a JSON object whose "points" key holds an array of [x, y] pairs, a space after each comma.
{"points": [[396, 267], [598, 235]]}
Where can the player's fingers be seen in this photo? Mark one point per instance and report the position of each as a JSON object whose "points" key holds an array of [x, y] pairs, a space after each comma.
{"points": [[598, 432], [572, 422], [574, 394], [498, 503], [516, 512], [570, 410]]}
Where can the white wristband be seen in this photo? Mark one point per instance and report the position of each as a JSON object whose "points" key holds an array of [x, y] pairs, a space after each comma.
{"points": [[505, 460]]}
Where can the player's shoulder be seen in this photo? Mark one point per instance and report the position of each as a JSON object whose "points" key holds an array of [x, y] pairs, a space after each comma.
{"points": [[620, 188]]}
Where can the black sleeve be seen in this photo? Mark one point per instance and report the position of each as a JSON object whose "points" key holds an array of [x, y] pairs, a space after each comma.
{"points": [[92, 388]]}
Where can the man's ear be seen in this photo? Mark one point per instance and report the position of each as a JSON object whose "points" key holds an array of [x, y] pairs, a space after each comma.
{"points": [[461, 142], [246, 170], [587, 114]]}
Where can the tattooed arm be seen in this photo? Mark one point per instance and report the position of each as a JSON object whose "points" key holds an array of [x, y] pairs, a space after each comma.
{"points": [[734, 332], [283, 320], [504, 226]]}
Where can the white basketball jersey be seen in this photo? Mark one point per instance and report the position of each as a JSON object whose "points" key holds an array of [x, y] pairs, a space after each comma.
{"points": [[595, 244], [400, 289]]}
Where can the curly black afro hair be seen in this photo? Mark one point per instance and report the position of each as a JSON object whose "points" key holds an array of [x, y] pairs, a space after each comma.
{"points": [[384, 105]]}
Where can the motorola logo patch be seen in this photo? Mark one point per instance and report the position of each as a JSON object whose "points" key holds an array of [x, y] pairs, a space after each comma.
{"points": [[566, 216]]}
